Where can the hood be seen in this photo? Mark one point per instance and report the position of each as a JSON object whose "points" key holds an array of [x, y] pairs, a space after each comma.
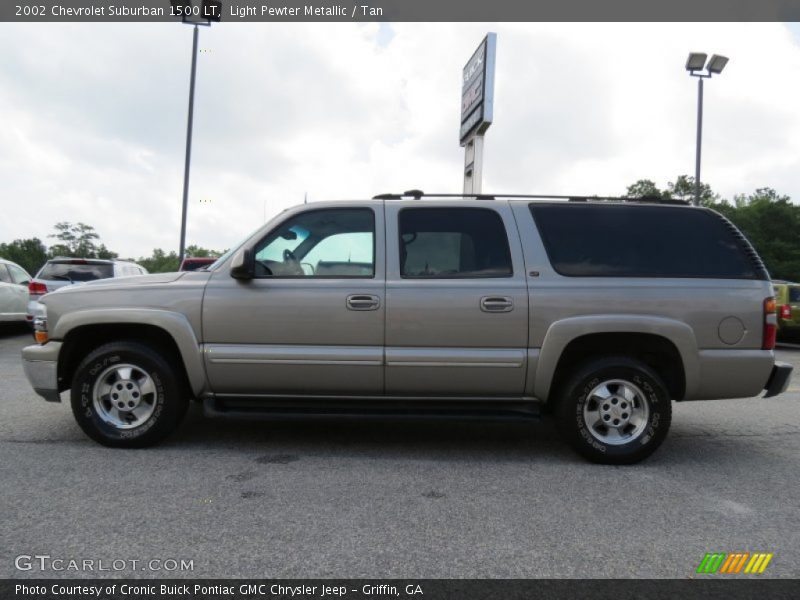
{"points": [[118, 282]]}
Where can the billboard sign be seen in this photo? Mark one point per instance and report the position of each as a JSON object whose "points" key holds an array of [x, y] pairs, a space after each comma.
{"points": [[477, 89]]}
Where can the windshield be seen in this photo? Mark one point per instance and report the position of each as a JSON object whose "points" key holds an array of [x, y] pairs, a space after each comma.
{"points": [[227, 254], [221, 259]]}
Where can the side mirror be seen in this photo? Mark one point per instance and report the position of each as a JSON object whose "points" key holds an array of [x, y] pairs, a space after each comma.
{"points": [[243, 264]]}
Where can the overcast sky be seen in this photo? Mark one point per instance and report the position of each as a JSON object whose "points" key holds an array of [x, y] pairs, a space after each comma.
{"points": [[94, 118]]}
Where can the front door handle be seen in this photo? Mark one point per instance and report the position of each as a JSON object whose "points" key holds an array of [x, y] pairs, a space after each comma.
{"points": [[363, 302], [497, 304]]}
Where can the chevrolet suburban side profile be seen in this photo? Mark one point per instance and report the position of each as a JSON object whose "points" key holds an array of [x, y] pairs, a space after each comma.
{"points": [[599, 311]]}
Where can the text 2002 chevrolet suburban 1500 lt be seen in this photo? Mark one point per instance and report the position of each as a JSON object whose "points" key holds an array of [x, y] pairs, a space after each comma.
{"points": [[601, 312]]}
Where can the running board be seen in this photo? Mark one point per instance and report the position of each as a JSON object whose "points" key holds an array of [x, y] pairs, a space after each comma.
{"points": [[297, 409]]}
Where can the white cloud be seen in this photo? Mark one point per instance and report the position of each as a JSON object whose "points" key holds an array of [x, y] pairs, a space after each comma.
{"points": [[95, 117]]}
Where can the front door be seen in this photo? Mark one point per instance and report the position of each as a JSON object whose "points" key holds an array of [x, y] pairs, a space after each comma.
{"points": [[312, 320], [456, 300]]}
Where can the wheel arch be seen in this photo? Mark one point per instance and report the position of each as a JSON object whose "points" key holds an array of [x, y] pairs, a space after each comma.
{"points": [[666, 345], [168, 332]]}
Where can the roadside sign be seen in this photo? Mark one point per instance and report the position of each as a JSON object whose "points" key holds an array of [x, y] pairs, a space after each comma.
{"points": [[477, 90]]}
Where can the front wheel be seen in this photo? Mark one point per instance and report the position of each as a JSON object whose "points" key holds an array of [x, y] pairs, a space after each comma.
{"points": [[126, 395], [614, 410]]}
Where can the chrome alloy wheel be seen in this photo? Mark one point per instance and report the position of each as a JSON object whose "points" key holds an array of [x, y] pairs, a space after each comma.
{"points": [[124, 396], [616, 412]]}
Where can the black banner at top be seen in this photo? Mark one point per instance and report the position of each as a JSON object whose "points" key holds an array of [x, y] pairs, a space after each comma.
{"points": [[241, 11]]}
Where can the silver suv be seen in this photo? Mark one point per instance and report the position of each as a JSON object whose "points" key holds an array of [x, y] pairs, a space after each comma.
{"points": [[62, 271], [601, 312]]}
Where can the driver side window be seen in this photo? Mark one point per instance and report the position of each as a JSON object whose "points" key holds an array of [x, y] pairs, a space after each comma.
{"points": [[333, 243]]}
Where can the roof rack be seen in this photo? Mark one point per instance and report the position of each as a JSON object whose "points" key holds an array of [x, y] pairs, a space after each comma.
{"points": [[419, 194]]}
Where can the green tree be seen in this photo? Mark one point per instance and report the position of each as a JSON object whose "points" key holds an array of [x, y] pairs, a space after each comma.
{"points": [[644, 188], [160, 261], [79, 240], [201, 252], [103, 252], [680, 189], [683, 189], [771, 222], [30, 254]]}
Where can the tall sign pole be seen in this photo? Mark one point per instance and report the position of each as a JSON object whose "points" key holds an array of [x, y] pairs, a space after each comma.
{"points": [[188, 161], [209, 10], [477, 110]]}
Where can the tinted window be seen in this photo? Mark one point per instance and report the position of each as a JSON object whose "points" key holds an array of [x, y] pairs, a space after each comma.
{"points": [[453, 242], [5, 277], [639, 241], [18, 275], [320, 243], [794, 294], [65, 271]]}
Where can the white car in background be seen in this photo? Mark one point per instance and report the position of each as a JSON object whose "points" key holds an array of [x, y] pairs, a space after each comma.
{"points": [[14, 282], [59, 272]]}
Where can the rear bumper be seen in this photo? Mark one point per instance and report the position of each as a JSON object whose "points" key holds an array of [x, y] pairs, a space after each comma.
{"points": [[41, 368], [779, 379]]}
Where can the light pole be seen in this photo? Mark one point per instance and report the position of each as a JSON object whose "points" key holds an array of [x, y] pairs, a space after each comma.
{"points": [[695, 64], [209, 10]]}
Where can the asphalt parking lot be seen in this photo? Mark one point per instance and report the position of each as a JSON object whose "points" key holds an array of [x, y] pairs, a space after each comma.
{"points": [[420, 500]]}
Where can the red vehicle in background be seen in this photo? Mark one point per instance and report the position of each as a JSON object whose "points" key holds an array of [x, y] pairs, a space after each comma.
{"points": [[191, 263]]}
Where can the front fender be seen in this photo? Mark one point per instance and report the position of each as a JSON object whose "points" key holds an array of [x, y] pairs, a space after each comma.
{"points": [[175, 324], [562, 332]]}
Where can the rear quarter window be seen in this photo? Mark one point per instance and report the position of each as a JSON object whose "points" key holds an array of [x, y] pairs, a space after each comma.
{"points": [[615, 240]]}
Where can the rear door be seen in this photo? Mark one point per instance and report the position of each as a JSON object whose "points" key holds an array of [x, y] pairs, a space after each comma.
{"points": [[456, 300]]}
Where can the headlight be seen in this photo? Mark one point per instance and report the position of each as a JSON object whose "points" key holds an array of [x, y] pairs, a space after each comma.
{"points": [[40, 327]]}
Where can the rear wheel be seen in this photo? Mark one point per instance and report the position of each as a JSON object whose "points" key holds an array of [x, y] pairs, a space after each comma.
{"points": [[614, 410], [127, 395]]}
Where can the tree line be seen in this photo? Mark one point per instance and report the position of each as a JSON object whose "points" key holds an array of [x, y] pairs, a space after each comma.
{"points": [[80, 240], [769, 220]]}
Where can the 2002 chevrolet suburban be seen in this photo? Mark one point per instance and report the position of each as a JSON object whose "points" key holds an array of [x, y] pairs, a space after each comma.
{"points": [[599, 311]]}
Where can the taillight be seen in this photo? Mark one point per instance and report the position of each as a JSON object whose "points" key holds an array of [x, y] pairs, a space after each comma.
{"points": [[770, 325], [786, 311], [36, 288]]}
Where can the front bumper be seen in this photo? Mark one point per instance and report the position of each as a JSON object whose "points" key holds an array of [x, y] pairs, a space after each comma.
{"points": [[41, 368], [779, 379]]}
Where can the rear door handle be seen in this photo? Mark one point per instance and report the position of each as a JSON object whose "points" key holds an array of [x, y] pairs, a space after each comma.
{"points": [[363, 302], [497, 304]]}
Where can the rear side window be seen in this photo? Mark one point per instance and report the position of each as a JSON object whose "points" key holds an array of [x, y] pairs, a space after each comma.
{"points": [[639, 241], [439, 243], [794, 294], [65, 271], [18, 275]]}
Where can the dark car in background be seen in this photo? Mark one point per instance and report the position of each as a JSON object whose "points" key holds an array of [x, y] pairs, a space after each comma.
{"points": [[62, 271]]}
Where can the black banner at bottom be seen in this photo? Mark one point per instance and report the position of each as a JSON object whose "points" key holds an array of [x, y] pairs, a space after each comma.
{"points": [[406, 589]]}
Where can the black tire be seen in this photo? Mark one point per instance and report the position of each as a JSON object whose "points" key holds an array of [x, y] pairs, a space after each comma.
{"points": [[166, 404], [621, 373]]}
